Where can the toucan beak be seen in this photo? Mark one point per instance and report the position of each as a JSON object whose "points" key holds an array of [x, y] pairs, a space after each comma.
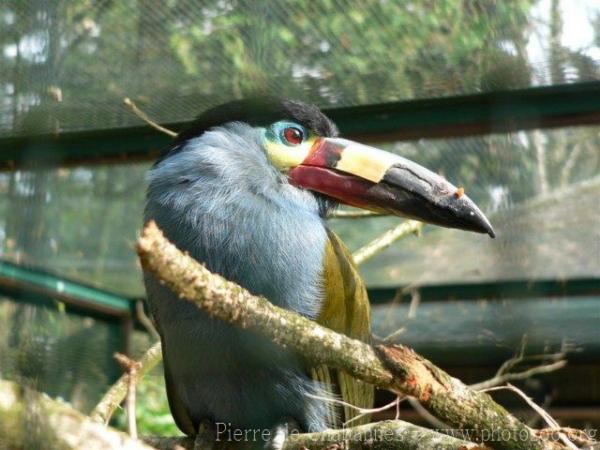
{"points": [[370, 178]]}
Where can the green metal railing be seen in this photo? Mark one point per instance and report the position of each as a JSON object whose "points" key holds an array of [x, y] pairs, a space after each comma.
{"points": [[559, 310], [501, 111], [38, 286], [491, 290], [19, 281]]}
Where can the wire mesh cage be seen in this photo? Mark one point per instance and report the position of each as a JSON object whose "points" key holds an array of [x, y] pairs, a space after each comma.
{"points": [[501, 97]]}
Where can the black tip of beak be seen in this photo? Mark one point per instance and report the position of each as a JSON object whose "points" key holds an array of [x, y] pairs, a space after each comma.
{"points": [[425, 196], [469, 216], [457, 211]]}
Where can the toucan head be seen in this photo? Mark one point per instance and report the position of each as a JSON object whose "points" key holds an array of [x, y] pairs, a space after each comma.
{"points": [[302, 144]]}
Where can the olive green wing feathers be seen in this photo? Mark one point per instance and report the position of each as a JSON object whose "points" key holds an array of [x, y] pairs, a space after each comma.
{"points": [[345, 310]]}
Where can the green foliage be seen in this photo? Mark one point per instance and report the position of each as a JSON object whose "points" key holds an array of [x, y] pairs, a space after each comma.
{"points": [[175, 58]]}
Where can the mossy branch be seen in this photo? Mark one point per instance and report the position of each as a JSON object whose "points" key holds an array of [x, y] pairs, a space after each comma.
{"points": [[386, 435], [392, 367], [116, 394], [29, 419]]}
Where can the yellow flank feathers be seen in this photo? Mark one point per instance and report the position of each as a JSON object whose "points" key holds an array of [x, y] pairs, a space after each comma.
{"points": [[345, 310]]}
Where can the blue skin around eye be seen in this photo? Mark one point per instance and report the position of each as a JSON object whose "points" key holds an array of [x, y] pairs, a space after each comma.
{"points": [[275, 131]]}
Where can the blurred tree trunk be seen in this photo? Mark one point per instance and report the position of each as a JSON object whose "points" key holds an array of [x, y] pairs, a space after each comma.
{"points": [[557, 52]]}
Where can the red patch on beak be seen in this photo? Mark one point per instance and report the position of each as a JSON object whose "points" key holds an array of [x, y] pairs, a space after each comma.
{"points": [[324, 154], [343, 187]]}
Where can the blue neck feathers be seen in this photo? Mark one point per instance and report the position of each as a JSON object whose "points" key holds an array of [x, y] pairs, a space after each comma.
{"points": [[221, 200]]}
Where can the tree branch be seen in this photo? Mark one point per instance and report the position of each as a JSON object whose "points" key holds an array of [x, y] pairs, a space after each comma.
{"points": [[393, 367], [142, 115], [385, 240], [29, 419], [389, 434], [550, 362], [145, 320], [568, 165], [117, 392], [113, 398], [513, 376], [543, 414], [132, 368], [351, 214], [58, 426]]}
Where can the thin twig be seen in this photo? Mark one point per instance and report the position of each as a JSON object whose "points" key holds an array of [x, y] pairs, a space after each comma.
{"points": [[550, 363], [393, 335], [385, 240], [131, 368], [567, 167], [354, 214], [415, 301], [400, 292], [117, 392], [145, 320], [362, 411], [547, 417], [515, 376], [142, 115], [507, 365], [430, 418]]}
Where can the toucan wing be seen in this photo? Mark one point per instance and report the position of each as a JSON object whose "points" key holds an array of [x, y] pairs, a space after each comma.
{"points": [[178, 409], [345, 310]]}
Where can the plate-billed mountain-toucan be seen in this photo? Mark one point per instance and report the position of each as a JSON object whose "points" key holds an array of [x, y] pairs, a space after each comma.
{"points": [[246, 190]]}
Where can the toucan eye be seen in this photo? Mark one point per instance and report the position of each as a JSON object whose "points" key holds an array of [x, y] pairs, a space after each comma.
{"points": [[293, 135]]}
